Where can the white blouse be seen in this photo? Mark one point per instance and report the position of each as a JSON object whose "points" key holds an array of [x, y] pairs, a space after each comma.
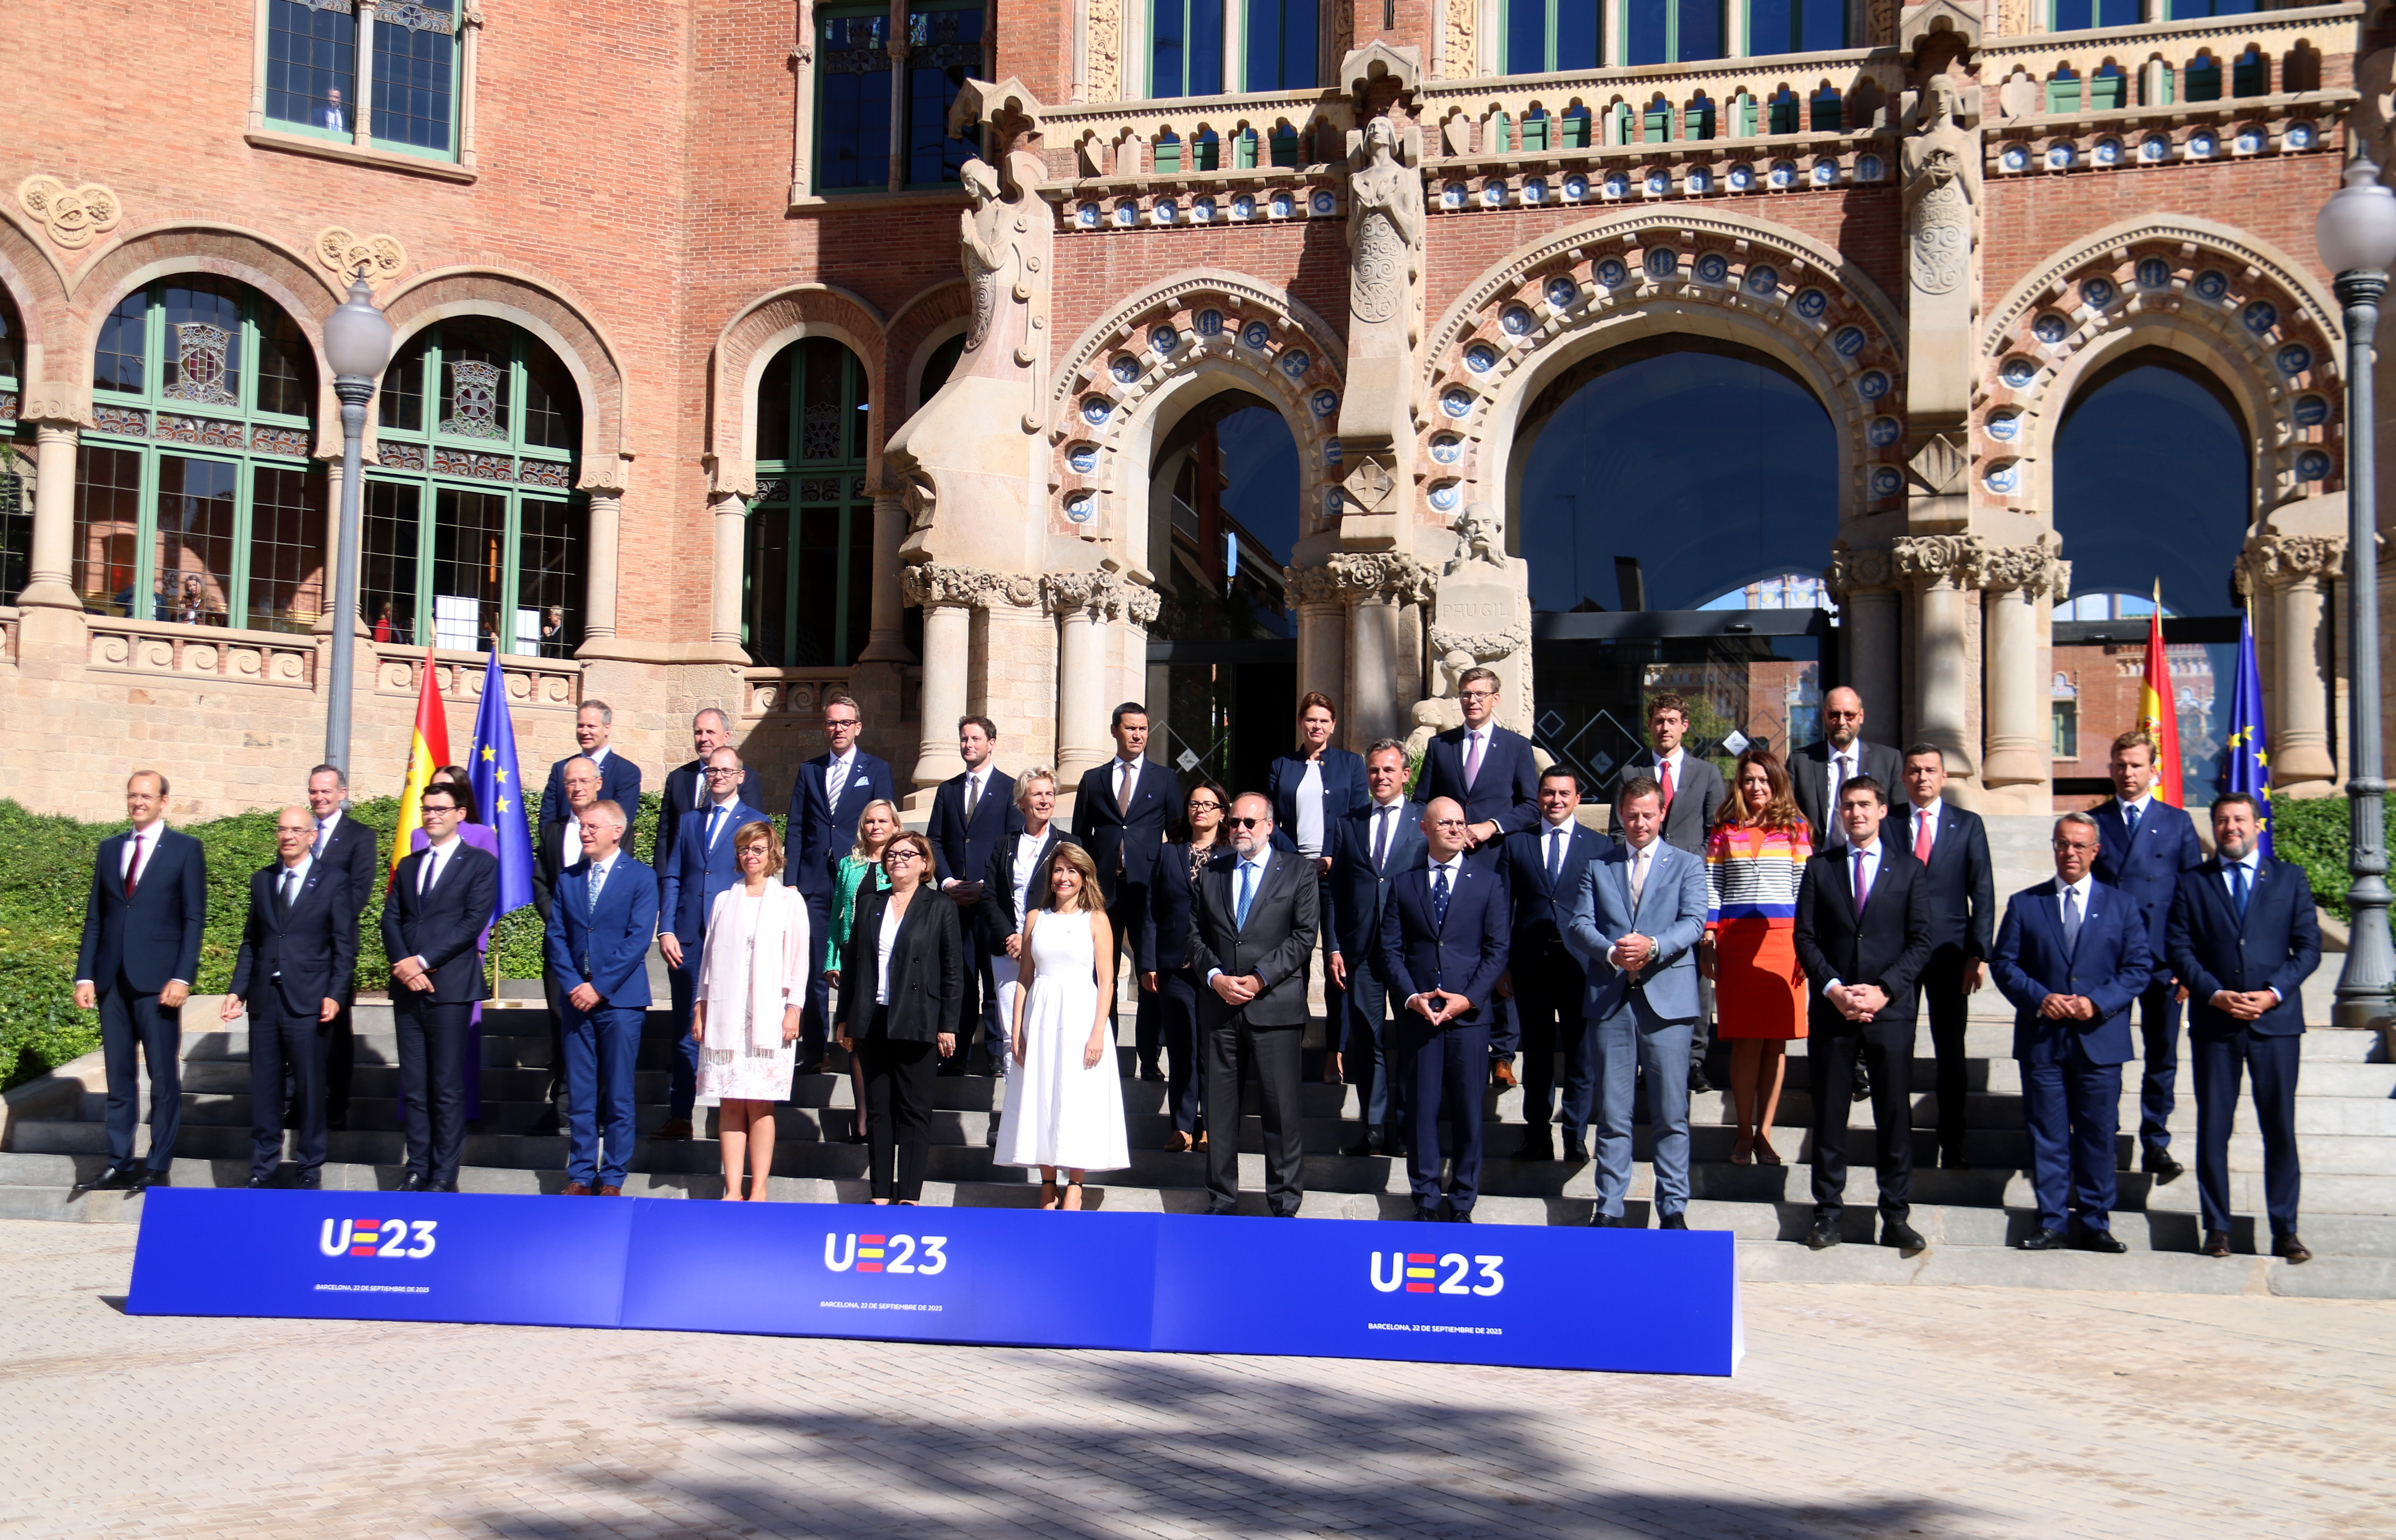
{"points": [[891, 919]]}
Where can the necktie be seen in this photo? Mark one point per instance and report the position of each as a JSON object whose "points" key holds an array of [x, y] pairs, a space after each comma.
{"points": [[2238, 887], [1439, 897], [1924, 820], [1382, 825], [973, 798], [1124, 776], [316, 846], [2130, 819], [425, 873], [2070, 920], [836, 782], [1555, 856], [1247, 891], [1863, 888], [598, 878], [714, 826], [133, 866], [1471, 759], [1834, 834], [1666, 767], [290, 886], [698, 792], [1638, 876]]}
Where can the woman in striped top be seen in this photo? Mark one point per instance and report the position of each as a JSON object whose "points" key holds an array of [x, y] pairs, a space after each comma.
{"points": [[1753, 862]]}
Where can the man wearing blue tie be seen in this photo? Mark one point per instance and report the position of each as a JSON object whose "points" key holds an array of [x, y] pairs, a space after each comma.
{"points": [[2243, 938], [1543, 866], [599, 929], [698, 867], [2071, 956], [829, 793], [1490, 773], [2148, 843], [1369, 850]]}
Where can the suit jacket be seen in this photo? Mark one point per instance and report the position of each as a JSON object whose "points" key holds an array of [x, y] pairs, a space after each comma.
{"points": [[1809, 778], [994, 918], [962, 852], [694, 874], [1541, 905], [2148, 867], [685, 792], [353, 853], [1359, 894], [1123, 843], [1671, 912], [553, 852], [819, 834], [1285, 915], [1507, 790], [619, 782], [307, 954], [1343, 793], [154, 935], [443, 926], [1698, 798], [927, 966], [1464, 953], [1888, 945], [2110, 966], [2277, 946], [608, 949], [1963, 883], [1164, 940]]}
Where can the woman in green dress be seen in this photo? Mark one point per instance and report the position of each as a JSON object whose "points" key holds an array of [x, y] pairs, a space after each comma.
{"points": [[876, 827]]}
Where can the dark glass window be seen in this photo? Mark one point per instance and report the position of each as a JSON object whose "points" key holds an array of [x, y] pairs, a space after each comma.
{"points": [[807, 589], [1667, 32], [1280, 39], [387, 560], [402, 408], [1795, 26], [108, 533], [937, 369], [2205, 79], [2183, 10], [469, 558], [548, 607], [12, 332], [312, 60], [853, 100], [476, 381], [198, 529], [1186, 48], [286, 544], [286, 370], [2079, 15], [415, 74], [943, 48]]}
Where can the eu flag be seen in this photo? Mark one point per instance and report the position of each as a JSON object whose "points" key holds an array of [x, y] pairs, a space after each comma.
{"points": [[2248, 753], [500, 790]]}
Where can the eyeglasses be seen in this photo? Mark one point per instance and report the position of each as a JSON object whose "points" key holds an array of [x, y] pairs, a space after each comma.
{"points": [[1477, 694], [2084, 849], [840, 721], [1205, 807], [724, 772], [907, 855], [1247, 823]]}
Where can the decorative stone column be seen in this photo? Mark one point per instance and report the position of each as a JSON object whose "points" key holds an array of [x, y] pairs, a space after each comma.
{"points": [[1375, 586], [947, 595], [59, 416], [1939, 568], [1862, 583], [1082, 603], [603, 546], [731, 483], [1323, 642], [2020, 584], [2292, 574], [886, 641]]}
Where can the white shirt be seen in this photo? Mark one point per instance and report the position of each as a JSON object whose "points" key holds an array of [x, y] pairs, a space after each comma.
{"points": [[2145, 805], [891, 920], [1454, 867], [297, 877], [975, 787], [836, 776], [1251, 870], [1548, 838], [598, 756], [1843, 770], [1115, 772], [1921, 814], [436, 856], [325, 827], [2253, 866], [146, 849], [1641, 867], [711, 829], [1027, 861], [1671, 761], [1871, 877], [1310, 810], [2079, 888]]}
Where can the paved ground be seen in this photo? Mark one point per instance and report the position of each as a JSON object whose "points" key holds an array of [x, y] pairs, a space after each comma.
{"points": [[1861, 1411]]}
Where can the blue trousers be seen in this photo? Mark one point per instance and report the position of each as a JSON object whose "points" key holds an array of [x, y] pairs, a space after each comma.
{"points": [[280, 1041], [1550, 987], [135, 1027], [1632, 1039], [1185, 1066], [600, 1052], [2072, 1110], [2220, 1061], [1367, 1045], [682, 985], [1447, 1069], [2158, 1032]]}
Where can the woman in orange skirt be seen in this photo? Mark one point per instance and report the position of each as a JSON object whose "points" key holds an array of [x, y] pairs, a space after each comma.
{"points": [[1753, 862]]}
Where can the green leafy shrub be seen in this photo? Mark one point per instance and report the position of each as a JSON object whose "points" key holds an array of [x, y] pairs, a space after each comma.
{"points": [[2312, 834]]}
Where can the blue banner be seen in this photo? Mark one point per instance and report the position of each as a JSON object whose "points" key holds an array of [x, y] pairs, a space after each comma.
{"points": [[1656, 1302]]}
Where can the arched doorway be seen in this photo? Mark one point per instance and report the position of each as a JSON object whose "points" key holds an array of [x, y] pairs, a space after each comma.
{"points": [[1674, 499], [807, 588]]}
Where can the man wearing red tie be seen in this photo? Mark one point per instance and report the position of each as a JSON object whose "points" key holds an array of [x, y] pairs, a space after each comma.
{"points": [[1693, 797], [1951, 847]]}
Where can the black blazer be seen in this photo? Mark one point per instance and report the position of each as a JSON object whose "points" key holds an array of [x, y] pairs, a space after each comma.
{"points": [[1540, 907], [1343, 793], [1506, 792], [1358, 893], [2277, 946], [681, 795], [619, 782], [552, 859], [1962, 882], [960, 852], [354, 854], [1125, 845], [152, 938], [443, 926], [994, 918], [1284, 915], [927, 966], [1163, 944], [313, 946], [1809, 780], [1890, 947]]}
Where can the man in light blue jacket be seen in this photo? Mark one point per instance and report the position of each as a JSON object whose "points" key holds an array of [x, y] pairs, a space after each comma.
{"points": [[1636, 919]]}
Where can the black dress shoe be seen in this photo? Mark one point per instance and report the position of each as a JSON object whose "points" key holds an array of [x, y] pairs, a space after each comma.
{"points": [[113, 1179], [1673, 1221], [811, 1064], [2100, 1241], [2163, 1168], [154, 1178], [311, 1181], [2291, 1250], [1953, 1160], [1537, 1147], [1862, 1084], [1426, 1215], [2044, 1239], [1154, 1074], [1904, 1237], [1699, 1084], [1369, 1143], [449, 1186], [1460, 1216], [413, 1182], [1218, 1211], [2216, 1243], [1574, 1150], [1824, 1235], [261, 1182]]}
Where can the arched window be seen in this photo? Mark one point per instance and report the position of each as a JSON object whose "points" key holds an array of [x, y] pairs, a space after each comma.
{"points": [[2063, 90], [1826, 111], [2203, 79], [472, 537], [2251, 76], [1783, 118], [2109, 88], [16, 518], [1795, 26], [937, 368], [1698, 120], [195, 497], [1544, 36], [807, 596]]}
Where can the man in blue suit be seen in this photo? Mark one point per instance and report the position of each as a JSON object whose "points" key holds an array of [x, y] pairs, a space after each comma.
{"points": [[1637, 913], [619, 778], [141, 928], [2072, 955], [1543, 869], [973, 814], [2243, 940], [2146, 845], [1119, 812], [1443, 948], [1369, 849], [1489, 771], [698, 867], [599, 929], [831, 790], [686, 790]]}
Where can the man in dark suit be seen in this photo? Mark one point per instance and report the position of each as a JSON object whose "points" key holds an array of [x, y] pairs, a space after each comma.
{"points": [[686, 790], [1312, 791], [2245, 938], [2071, 957], [1488, 771], [557, 846], [1543, 871], [299, 948], [1120, 811], [1442, 950], [1693, 793], [619, 778], [597, 946], [832, 789], [141, 928], [973, 814], [700, 867], [1951, 847], [1370, 849], [347, 849], [1818, 770], [1863, 939], [438, 905], [2148, 844], [1252, 928]]}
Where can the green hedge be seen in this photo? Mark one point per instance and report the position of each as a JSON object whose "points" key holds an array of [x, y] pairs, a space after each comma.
{"points": [[2313, 834]]}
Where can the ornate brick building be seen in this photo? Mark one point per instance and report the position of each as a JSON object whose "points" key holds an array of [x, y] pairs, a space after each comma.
{"points": [[1019, 360]]}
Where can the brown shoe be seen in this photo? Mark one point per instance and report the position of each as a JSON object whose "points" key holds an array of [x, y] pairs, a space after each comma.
{"points": [[611, 1190], [2291, 1250], [1502, 1071], [1180, 1143], [2216, 1243], [575, 1190], [676, 1128]]}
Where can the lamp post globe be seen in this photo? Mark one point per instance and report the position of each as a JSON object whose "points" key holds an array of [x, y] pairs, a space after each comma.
{"points": [[2356, 235], [357, 344]]}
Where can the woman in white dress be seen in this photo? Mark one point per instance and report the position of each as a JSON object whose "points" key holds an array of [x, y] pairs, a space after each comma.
{"points": [[1064, 1098], [753, 970]]}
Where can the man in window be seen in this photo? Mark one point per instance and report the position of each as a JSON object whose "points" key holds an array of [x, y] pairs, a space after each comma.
{"points": [[331, 114]]}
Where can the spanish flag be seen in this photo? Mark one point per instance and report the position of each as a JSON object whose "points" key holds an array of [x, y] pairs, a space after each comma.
{"points": [[2158, 714], [428, 750]]}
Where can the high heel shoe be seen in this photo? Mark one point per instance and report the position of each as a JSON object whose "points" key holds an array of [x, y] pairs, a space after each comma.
{"points": [[1049, 1197], [1764, 1153], [1742, 1150]]}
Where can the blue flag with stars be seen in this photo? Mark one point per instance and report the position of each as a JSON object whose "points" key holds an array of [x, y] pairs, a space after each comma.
{"points": [[2248, 753], [498, 791]]}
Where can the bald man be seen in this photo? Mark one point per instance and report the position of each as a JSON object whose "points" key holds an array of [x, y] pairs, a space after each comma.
{"points": [[298, 950], [1817, 771]]}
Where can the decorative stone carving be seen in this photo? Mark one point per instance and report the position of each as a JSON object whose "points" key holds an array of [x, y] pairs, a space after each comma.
{"points": [[1141, 604], [1100, 593], [1384, 574], [933, 583], [1104, 56], [2275, 561], [1852, 571], [1941, 187], [50, 401], [377, 257], [1385, 220], [1312, 585], [2031, 570], [1480, 538], [1940, 465], [71, 216], [1457, 59], [1479, 646], [1936, 560]]}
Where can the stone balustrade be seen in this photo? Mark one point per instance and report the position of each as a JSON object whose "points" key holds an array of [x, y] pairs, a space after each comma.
{"points": [[280, 659], [787, 695], [543, 682]]}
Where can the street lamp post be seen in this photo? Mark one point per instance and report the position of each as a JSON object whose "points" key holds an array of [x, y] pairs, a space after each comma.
{"points": [[357, 344], [2356, 234]]}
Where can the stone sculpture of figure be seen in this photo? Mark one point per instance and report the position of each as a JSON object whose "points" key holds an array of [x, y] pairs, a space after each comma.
{"points": [[1479, 537], [1003, 241], [987, 252], [1385, 223], [1941, 185]]}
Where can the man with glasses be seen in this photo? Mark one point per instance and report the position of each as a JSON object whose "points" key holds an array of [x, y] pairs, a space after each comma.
{"points": [[434, 914], [619, 778], [557, 848], [345, 847], [1489, 772], [687, 789], [831, 790], [700, 866], [1817, 771]]}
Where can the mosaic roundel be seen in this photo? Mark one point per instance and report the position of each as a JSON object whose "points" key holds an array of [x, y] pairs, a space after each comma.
{"points": [[1848, 342], [1125, 370], [1331, 452], [1097, 409], [1561, 292], [1713, 268], [1659, 183], [2201, 144], [1883, 431], [2299, 136], [1324, 203], [1082, 457], [1517, 321], [2294, 359], [2154, 147], [2212, 284], [1741, 178], [1534, 191], [1126, 214], [1202, 211], [1868, 168], [2260, 317], [1811, 304], [1210, 322], [1445, 495], [2312, 466], [2017, 372], [1493, 193], [1699, 182], [1447, 448], [1333, 502], [1661, 262], [1164, 340], [1481, 358], [1244, 207], [2154, 274], [1081, 508], [1873, 385], [2311, 411], [2050, 329], [1764, 278], [1825, 172], [2004, 478], [1886, 481], [1256, 334], [2097, 293], [1451, 196], [2250, 139], [1087, 215], [1576, 187], [1457, 401], [1617, 186], [2015, 158], [1783, 174], [1166, 211], [1281, 206], [2060, 156], [2108, 152], [1324, 402], [1611, 273], [2005, 426], [1295, 363]]}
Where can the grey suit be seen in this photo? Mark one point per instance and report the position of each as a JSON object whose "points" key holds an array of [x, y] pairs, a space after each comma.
{"points": [[1809, 778], [1698, 797], [1273, 945], [1643, 1020]]}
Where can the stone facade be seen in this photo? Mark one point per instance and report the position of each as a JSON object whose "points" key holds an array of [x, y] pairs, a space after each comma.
{"points": [[1399, 266]]}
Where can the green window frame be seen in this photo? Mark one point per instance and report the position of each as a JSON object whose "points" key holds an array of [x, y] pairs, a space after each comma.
{"points": [[2204, 78], [809, 551], [412, 57], [1698, 120], [2108, 89], [2250, 74], [1534, 129], [1655, 122], [1549, 36]]}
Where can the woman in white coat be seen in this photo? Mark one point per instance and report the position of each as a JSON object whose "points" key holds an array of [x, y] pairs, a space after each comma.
{"points": [[752, 985]]}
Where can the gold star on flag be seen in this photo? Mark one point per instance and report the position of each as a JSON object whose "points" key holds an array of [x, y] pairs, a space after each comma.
{"points": [[503, 804], [489, 752], [500, 775]]}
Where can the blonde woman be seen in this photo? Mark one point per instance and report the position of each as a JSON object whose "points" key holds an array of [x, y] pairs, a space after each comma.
{"points": [[755, 965], [1064, 1098], [876, 827]]}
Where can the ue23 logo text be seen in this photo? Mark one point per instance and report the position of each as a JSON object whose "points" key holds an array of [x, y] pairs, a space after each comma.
{"points": [[377, 1237], [922, 1255], [1421, 1272]]}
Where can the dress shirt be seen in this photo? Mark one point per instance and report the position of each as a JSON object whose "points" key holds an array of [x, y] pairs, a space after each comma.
{"points": [[436, 856], [1385, 829], [125, 868], [1310, 810], [2079, 888], [297, 876], [1843, 770], [1027, 861], [977, 787], [1251, 870], [325, 828], [2229, 886], [836, 776], [1454, 867], [892, 918], [1921, 816], [1872, 856], [1642, 872], [1115, 772], [1673, 762], [1476, 748], [709, 830]]}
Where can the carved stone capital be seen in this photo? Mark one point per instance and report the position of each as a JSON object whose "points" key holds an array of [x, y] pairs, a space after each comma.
{"points": [[931, 584], [1853, 571], [1380, 575], [1095, 594], [1141, 604], [57, 405], [2033, 569], [1931, 561], [1309, 585], [71, 216], [1481, 646], [2281, 561], [727, 476]]}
